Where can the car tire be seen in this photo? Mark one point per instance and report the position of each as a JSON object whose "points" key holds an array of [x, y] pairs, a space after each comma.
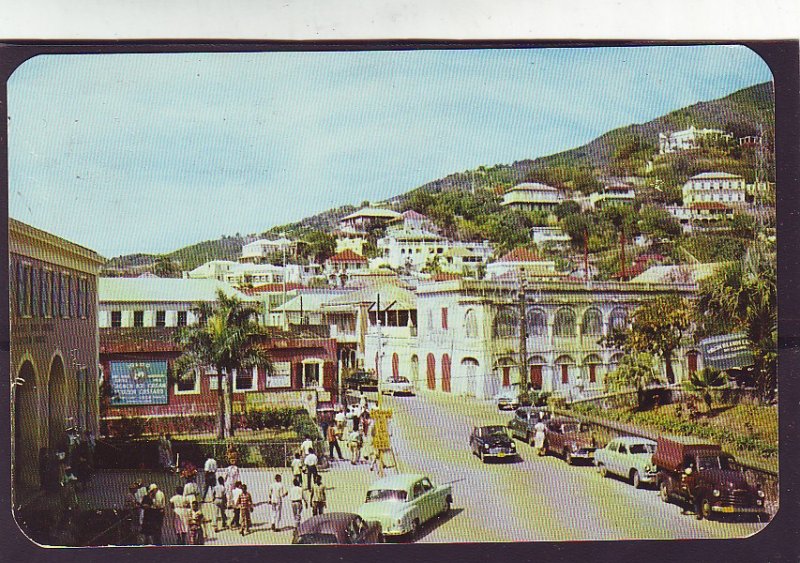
{"points": [[480, 456], [414, 529], [636, 480], [705, 509], [601, 468], [568, 458], [663, 491]]}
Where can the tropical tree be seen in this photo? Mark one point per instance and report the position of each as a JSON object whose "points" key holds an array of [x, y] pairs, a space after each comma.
{"points": [[702, 381], [634, 371], [228, 338], [319, 245], [165, 267], [742, 296], [658, 327]]}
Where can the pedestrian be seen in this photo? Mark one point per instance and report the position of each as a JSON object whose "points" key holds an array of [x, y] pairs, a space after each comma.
{"points": [[150, 525], [306, 445], [539, 435], [165, 453], [233, 501], [245, 505], [355, 441], [220, 504], [210, 469], [190, 489], [181, 512], [310, 463], [298, 499], [196, 522], [158, 506], [362, 402], [231, 476], [319, 496], [333, 442], [141, 492], [297, 466], [132, 506], [275, 494], [340, 420]]}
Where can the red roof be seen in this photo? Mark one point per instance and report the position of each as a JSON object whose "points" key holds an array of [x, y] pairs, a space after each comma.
{"points": [[347, 255], [520, 254], [710, 205], [272, 288], [647, 257], [414, 215]]}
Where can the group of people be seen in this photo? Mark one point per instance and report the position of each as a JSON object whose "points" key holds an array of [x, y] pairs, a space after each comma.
{"points": [[145, 507], [358, 435]]}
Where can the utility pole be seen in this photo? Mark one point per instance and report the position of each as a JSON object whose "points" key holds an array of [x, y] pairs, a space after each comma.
{"points": [[523, 337], [586, 255]]}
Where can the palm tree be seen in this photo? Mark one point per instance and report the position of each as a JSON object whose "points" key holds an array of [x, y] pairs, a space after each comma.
{"points": [[743, 296], [635, 371], [703, 381], [226, 337]]}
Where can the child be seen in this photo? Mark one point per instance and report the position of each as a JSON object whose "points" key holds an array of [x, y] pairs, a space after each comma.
{"points": [[245, 504], [220, 504], [297, 466], [318, 496], [196, 521], [297, 496]]}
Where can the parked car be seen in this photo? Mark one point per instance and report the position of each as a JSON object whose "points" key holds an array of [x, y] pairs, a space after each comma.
{"points": [[492, 441], [338, 528], [397, 386], [362, 380], [507, 398], [570, 439], [701, 474], [525, 418], [403, 503], [628, 457]]}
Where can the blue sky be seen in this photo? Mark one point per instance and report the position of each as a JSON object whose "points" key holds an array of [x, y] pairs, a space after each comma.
{"points": [[150, 152]]}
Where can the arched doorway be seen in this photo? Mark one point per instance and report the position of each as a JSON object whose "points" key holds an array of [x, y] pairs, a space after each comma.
{"points": [[592, 362], [431, 372], [691, 360], [57, 406], [26, 428], [446, 373], [536, 364], [503, 368], [469, 367], [564, 363], [395, 365]]}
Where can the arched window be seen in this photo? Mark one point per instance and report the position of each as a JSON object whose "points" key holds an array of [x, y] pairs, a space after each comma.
{"points": [[618, 320], [565, 363], [471, 324], [564, 324], [537, 322], [506, 323], [431, 360], [446, 373], [592, 322]]}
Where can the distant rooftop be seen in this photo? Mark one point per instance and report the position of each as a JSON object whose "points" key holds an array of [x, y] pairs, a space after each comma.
{"points": [[374, 213], [173, 290], [521, 254], [347, 255], [716, 175], [537, 186]]}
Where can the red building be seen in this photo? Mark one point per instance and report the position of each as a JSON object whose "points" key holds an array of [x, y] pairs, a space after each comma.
{"points": [[136, 368]]}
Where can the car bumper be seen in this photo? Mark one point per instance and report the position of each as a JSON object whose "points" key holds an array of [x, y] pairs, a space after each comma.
{"points": [[737, 509], [500, 455], [502, 405], [583, 454]]}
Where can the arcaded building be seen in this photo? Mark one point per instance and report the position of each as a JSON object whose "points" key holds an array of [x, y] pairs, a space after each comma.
{"points": [[54, 345]]}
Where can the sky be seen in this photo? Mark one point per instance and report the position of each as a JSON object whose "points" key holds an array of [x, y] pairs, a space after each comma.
{"points": [[126, 153]]}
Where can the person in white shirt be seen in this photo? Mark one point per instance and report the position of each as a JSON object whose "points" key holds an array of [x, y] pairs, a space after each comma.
{"points": [[275, 494], [210, 469], [298, 500], [340, 419], [190, 490], [297, 467], [306, 445], [310, 463], [234, 501]]}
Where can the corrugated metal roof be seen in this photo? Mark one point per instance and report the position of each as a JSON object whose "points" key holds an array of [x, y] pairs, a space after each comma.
{"points": [[145, 290]]}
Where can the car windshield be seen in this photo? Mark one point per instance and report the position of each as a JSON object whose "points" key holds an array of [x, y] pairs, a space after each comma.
{"points": [[401, 380], [715, 462], [494, 431], [317, 538], [377, 495], [642, 449]]}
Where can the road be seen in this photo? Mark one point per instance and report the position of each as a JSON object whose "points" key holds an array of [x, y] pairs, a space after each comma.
{"points": [[533, 499]]}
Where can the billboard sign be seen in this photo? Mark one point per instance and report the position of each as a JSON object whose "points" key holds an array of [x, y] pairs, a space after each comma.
{"points": [[728, 351], [139, 383]]}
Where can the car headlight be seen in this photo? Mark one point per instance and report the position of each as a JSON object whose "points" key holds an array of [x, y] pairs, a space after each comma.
{"points": [[486, 446], [716, 492], [759, 502], [513, 445], [761, 493]]}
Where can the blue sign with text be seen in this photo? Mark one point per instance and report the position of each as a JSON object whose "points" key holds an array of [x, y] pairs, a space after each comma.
{"points": [[139, 383]]}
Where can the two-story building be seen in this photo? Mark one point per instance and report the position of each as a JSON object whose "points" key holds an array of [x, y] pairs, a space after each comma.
{"points": [[691, 138], [264, 250], [532, 196], [53, 348], [521, 262], [368, 218], [342, 265]]}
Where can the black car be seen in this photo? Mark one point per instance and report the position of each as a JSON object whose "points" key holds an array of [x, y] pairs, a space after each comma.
{"points": [[362, 380], [525, 418], [338, 528], [491, 441]]}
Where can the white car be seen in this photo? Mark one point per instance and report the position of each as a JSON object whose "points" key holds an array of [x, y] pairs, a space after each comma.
{"points": [[397, 386], [628, 457], [507, 398], [403, 503]]}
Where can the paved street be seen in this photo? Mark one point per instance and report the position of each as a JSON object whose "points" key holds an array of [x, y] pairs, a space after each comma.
{"points": [[533, 499]]}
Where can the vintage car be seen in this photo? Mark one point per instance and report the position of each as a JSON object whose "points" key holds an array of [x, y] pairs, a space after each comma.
{"points": [[507, 398], [628, 457], [491, 441], [700, 473], [339, 528], [570, 439], [525, 418], [397, 386], [403, 503], [362, 380]]}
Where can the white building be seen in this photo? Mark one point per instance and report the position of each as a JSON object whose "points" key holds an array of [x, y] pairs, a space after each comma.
{"points": [[616, 194], [368, 217], [402, 248], [532, 196], [156, 302], [468, 339], [689, 139], [350, 239], [236, 273], [714, 186], [264, 249], [459, 260], [522, 263], [414, 221], [542, 235], [341, 266]]}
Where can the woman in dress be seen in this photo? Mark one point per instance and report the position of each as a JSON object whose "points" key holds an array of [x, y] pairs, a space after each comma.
{"points": [[245, 505], [181, 512]]}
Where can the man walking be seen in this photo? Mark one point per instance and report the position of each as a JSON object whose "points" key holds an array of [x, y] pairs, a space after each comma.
{"points": [[158, 506], [210, 468], [298, 500], [275, 494], [234, 503], [310, 463], [333, 443], [220, 504], [318, 497]]}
